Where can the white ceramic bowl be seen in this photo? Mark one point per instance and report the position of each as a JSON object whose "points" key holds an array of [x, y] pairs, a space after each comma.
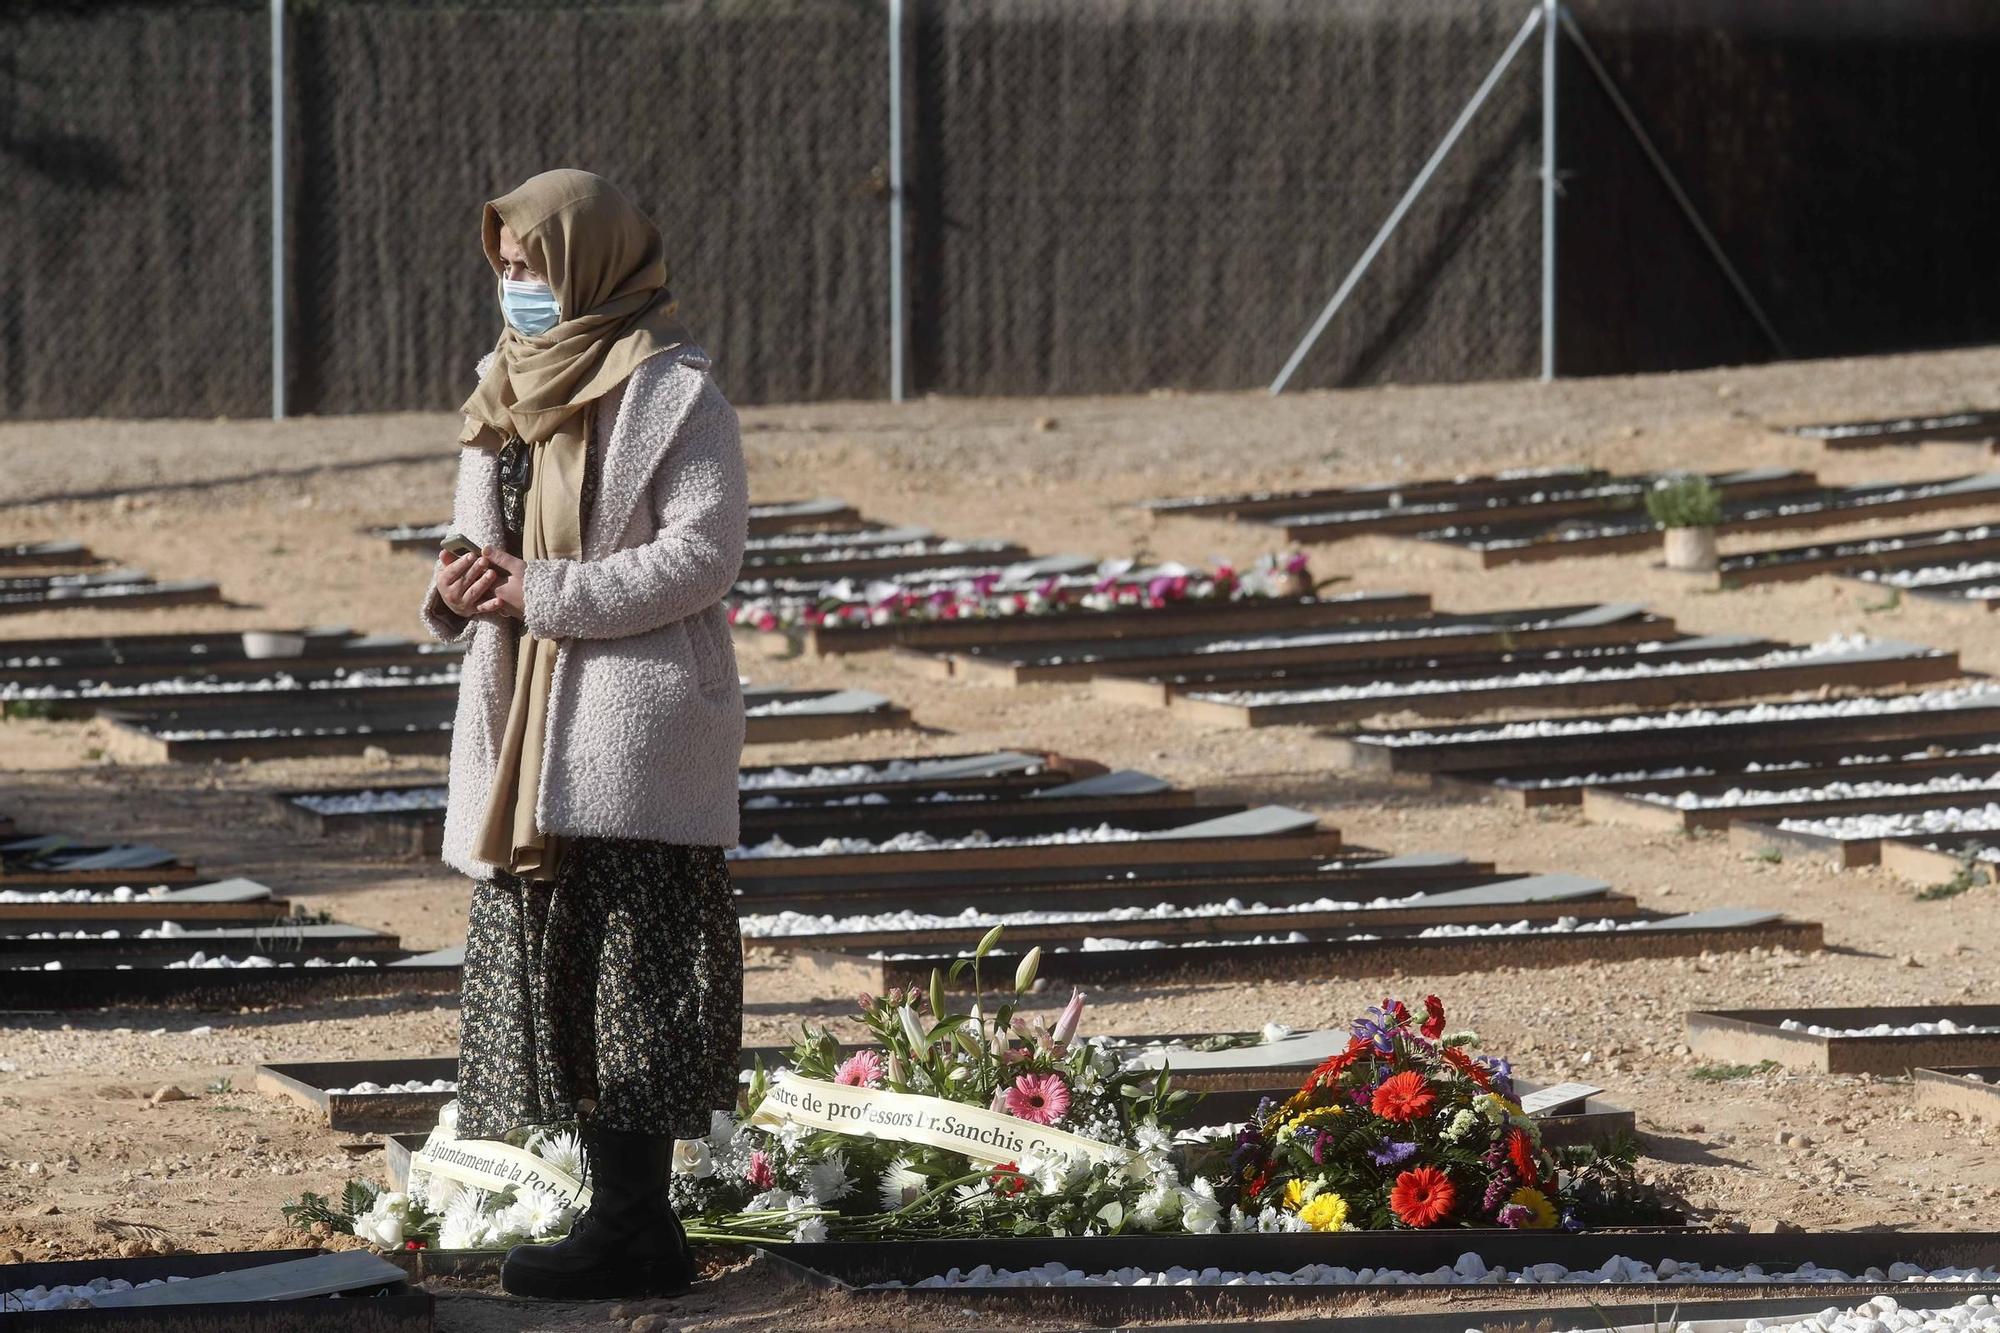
{"points": [[259, 643]]}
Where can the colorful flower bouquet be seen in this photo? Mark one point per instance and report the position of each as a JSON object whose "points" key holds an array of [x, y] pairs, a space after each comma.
{"points": [[1404, 1128], [1115, 585], [998, 1123]]}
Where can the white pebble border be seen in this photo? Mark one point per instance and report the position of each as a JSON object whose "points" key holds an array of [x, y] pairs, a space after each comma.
{"points": [[366, 1088], [917, 840], [1901, 823], [1830, 650], [1568, 925], [124, 893], [843, 775], [200, 961], [1930, 575], [1832, 791], [368, 678], [1943, 1027], [269, 733], [1929, 701], [25, 1299], [1470, 1270], [1881, 1315], [375, 802], [768, 925]]}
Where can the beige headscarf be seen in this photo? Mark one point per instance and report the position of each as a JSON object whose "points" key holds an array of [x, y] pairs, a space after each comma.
{"points": [[606, 263]]}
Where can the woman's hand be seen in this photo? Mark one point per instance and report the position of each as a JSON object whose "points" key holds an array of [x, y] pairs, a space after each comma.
{"points": [[464, 582], [506, 592]]}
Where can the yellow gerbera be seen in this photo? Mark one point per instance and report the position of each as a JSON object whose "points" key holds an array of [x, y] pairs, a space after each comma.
{"points": [[1542, 1213], [1298, 1193], [1327, 1212]]}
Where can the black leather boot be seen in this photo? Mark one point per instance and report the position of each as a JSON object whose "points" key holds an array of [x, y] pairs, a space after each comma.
{"points": [[627, 1243]]}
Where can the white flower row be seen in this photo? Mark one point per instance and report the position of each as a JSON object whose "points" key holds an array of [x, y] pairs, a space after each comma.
{"points": [[916, 840], [1900, 823], [1470, 1270], [1943, 1027], [366, 1088], [1575, 675], [1928, 701], [765, 925]]}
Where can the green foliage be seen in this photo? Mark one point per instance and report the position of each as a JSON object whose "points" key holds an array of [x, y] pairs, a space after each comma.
{"points": [[220, 1086], [1891, 599], [1721, 1073], [27, 709], [356, 1199], [1684, 501], [1971, 874], [1605, 1188]]}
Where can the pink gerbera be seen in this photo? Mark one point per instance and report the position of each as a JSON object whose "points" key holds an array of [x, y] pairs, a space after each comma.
{"points": [[1041, 1098], [760, 1175], [863, 1069]]}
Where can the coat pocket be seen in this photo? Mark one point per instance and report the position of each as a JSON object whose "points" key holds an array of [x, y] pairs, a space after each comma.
{"points": [[714, 656]]}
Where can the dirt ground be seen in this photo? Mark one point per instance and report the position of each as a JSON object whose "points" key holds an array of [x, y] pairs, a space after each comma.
{"points": [[271, 511]]}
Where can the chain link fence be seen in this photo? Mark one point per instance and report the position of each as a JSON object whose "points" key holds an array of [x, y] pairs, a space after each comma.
{"points": [[1102, 195]]}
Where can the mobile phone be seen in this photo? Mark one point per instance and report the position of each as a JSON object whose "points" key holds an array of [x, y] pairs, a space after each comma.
{"points": [[457, 544]]}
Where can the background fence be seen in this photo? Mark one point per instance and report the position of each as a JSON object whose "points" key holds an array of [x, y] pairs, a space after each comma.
{"points": [[1103, 195]]}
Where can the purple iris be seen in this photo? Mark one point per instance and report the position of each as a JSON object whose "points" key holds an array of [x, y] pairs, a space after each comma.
{"points": [[1393, 1152], [1375, 1034], [1502, 1074]]}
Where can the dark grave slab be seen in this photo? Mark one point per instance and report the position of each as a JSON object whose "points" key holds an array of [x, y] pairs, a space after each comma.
{"points": [[1504, 544], [58, 861], [1971, 1092], [331, 1090], [1894, 550], [1538, 898], [892, 1273], [1973, 426], [1598, 498], [1254, 614], [1748, 1036], [225, 676], [1387, 950], [274, 1291], [62, 658], [1671, 737], [776, 716], [241, 901], [1462, 490], [419, 537], [101, 982], [1443, 636], [1708, 668], [47, 555], [1064, 888], [801, 516], [118, 589], [1263, 833], [330, 727]]}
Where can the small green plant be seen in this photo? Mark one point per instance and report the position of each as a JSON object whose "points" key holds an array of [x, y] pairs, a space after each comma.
{"points": [[1713, 1073], [1770, 856], [1969, 875], [1891, 599], [1685, 501], [37, 710], [93, 752], [220, 1086]]}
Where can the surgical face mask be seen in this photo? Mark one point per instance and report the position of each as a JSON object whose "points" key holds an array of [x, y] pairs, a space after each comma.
{"points": [[529, 306]]}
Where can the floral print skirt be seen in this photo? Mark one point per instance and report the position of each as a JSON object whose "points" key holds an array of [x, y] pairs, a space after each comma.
{"points": [[613, 993]]}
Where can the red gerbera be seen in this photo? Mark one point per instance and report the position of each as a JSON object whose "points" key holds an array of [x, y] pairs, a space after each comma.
{"points": [[1433, 1027], [1423, 1197], [1403, 1096], [1469, 1067], [1522, 1154], [1007, 1179], [1332, 1067]]}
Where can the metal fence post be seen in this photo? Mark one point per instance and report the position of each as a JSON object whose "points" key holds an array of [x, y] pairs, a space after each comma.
{"points": [[278, 355], [898, 330], [1549, 48]]}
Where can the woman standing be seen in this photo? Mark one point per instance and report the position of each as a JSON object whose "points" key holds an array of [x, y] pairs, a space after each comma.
{"points": [[599, 725]]}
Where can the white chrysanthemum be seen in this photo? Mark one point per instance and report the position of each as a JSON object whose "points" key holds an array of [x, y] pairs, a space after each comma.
{"points": [[1272, 1219], [463, 1225], [1151, 1138], [901, 1184], [1156, 1207], [793, 1136], [562, 1151], [978, 1194], [773, 1200], [536, 1212], [827, 1179], [810, 1232]]}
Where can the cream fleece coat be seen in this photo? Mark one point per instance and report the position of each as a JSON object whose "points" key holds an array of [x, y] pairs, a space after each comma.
{"points": [[646, 715]]}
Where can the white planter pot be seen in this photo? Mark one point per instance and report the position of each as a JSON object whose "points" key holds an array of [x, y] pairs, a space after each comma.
{"points": [[1691, 549]]}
